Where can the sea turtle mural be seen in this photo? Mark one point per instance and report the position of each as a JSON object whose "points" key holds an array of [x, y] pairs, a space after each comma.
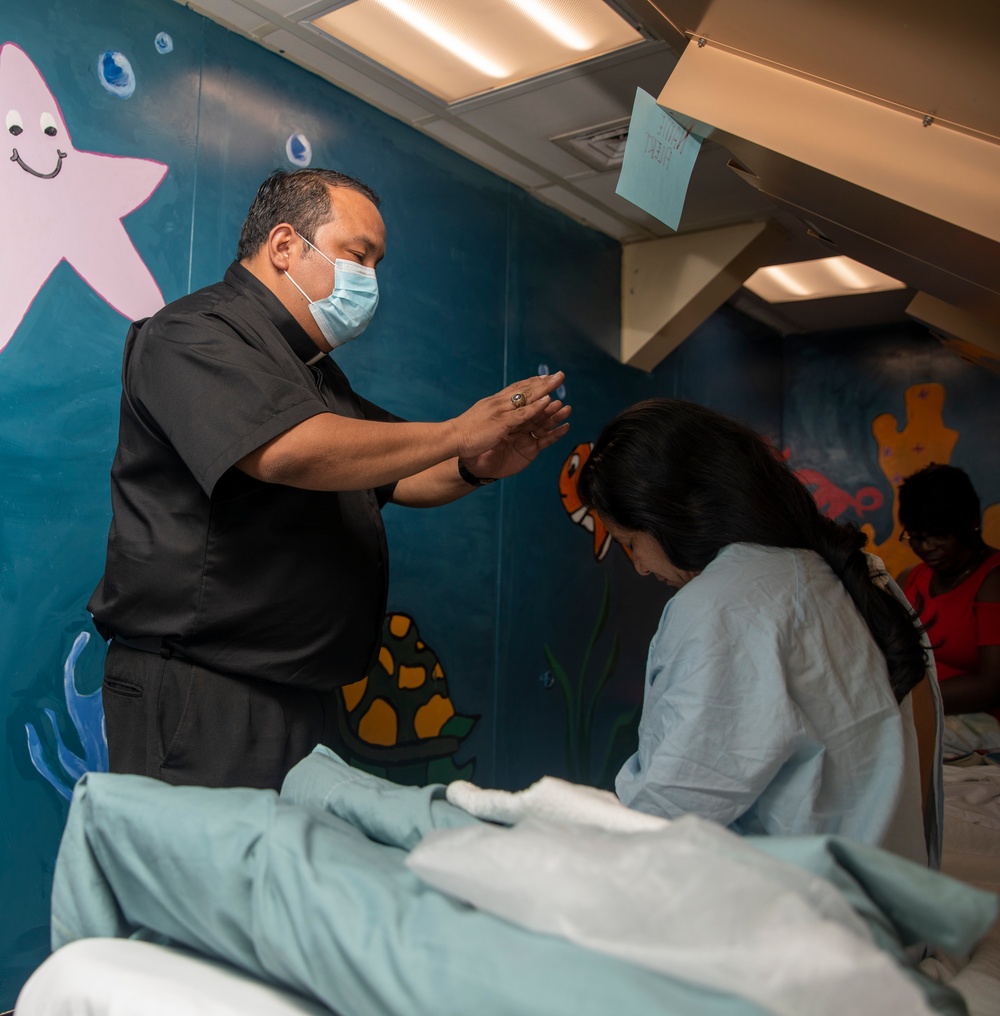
{"points": [[399, 721]]}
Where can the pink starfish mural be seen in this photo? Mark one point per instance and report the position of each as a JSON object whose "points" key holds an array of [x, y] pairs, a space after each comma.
{"points": [[61, 204]]}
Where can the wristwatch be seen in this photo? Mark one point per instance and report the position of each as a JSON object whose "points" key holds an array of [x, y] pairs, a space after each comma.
{"points": [[472, 480]]}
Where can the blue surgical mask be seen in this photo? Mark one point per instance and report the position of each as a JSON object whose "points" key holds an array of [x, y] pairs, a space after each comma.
{"points": [[348, 310]]}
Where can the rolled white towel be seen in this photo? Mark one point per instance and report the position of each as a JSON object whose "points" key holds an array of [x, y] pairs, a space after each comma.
{"points": [[554, 799]]}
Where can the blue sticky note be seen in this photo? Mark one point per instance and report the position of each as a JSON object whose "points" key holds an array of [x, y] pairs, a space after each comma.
{"points": [[659, 157]]}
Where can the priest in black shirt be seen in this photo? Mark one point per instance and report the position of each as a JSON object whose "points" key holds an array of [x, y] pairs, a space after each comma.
{"points": [[247, 571]]}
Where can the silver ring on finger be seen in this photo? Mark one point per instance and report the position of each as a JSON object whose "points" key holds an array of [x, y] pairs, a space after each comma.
{"points": [[519, 399]]}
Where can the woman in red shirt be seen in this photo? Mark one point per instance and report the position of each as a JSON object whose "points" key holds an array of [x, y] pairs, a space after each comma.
{"points": [[956, 588]]}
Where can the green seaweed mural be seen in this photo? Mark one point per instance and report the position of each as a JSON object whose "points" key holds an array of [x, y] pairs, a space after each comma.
{"points": [[582, 696]]}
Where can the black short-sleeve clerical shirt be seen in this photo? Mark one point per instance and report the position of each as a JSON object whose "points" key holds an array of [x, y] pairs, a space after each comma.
{"points": [[243, 577]]}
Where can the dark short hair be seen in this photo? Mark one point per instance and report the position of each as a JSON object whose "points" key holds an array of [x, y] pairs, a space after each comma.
{"points": [[940, 500], [698, 481], [300, 198]]}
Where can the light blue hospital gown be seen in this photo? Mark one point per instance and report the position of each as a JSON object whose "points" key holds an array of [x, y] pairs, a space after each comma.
{"points": [[767, 704]]}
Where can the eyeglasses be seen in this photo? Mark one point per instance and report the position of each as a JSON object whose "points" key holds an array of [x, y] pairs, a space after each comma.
{"points": [[914, 538]]}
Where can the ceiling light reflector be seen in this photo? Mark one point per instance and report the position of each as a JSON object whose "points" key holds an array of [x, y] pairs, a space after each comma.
{"points": [[456, 49], [440, 35], [559, 28], [817, 280]]}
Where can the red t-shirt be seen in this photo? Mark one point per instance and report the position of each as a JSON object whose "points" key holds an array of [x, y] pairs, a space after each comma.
{"points": [[956, 625]]}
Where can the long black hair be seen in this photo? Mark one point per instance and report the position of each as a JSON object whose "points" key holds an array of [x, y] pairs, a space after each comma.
{"points": [[697, 481]]}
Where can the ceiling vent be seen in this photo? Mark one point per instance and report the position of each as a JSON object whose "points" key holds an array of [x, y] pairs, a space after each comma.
{"points": [[601, 147]]}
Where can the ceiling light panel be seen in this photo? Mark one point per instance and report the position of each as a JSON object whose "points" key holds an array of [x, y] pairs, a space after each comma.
{"points": [[818, 279], [456, 49]]}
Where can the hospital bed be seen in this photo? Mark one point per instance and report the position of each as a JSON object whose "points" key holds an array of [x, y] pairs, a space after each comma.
{"points": [[200, 901]]}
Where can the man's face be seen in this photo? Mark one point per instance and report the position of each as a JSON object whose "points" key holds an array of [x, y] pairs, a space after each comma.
{"points": [[355, 233]]}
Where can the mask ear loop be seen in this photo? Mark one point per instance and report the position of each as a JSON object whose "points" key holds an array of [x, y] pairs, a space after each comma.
{"points": [[289, 274], [297, 286]]}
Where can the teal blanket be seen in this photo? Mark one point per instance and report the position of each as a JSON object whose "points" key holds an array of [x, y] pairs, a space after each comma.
{"points": [[309, 891]]}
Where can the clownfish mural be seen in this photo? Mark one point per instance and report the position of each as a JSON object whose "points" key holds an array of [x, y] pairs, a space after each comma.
{"points": [[574, 507]]}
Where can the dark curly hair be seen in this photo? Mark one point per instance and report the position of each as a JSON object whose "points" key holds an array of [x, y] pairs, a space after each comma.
{"points": [[940, 500], [698, 481], [300, 198]]}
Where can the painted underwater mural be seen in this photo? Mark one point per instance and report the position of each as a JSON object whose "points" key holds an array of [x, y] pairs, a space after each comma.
{"points": [[902, 451], [574, 507], [399, 721], [65, 204], [581, 695], [86, 713]]}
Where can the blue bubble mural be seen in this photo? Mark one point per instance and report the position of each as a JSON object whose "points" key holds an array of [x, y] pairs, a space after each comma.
{"points": [[298, 150], [560, 393], [115, 73], [163, 43]]}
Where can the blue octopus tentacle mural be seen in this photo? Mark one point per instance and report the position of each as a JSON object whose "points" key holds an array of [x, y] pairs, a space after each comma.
{"points": [[87, 715]]}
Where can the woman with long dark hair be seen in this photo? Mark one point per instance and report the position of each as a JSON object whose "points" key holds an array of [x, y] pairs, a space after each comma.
{"points": [[773, 680]]}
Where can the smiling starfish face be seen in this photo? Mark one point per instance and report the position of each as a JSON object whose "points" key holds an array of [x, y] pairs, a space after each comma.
{"points": [[36, 132], [64, 204]]}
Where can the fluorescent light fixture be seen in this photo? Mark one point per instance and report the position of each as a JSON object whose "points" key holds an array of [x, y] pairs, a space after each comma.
{"points": [[410, 14], [456, 49], [816, 280], [547, 19]]}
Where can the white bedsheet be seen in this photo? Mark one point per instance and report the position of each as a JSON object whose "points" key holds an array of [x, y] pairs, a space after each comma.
{"points": [[972, 854], [124, 977]]}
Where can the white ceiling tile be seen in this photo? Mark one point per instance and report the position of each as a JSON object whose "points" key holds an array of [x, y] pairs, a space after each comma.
{"points": [[601, 190], [394, 101], [295, 10], [482, 152], [231, 14], [584, 211], [525, 120]]}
